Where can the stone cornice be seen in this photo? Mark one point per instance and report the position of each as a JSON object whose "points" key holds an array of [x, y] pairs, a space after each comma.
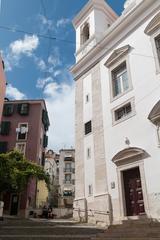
{"points": [[94, 4], [117, 54], [123, 25], [153, 25]]}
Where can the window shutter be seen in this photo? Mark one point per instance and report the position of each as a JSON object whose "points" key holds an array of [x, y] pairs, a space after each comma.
{"points": [[8, 109], [45, 141], [5, 128], [23, 109], [88, 127], [3, 147], [45, 119]]}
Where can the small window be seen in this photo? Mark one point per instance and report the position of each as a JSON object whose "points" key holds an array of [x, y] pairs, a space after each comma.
{"points": [[85, 33], [23, 109], [21, 147], [87, 98], [88, 153], [5, 128], [157, 41], [8, 110], [120, 81], [22, 131], [122, 112], [3, 147], [88, 127], [90, 190]]}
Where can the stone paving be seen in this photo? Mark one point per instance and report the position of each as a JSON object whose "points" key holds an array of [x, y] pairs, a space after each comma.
{"points": [[38, 229], [18, 229]]}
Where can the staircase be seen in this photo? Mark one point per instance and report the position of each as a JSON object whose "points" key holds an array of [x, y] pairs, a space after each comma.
{"points": [[30, 230], [132, 230]]}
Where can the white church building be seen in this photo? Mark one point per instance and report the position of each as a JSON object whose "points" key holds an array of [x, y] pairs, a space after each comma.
{"points": [[117, 76]]}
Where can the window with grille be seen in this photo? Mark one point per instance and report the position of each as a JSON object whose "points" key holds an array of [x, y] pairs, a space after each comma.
{"points": [[120, 82], [157, 41], [88, 127], [122, 112]]}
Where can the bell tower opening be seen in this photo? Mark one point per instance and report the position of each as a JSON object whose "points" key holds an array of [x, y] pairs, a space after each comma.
{"points": [[85, 33]]}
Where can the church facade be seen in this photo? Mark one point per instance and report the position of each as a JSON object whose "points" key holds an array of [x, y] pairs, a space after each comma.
{"points": [[117, 76]]}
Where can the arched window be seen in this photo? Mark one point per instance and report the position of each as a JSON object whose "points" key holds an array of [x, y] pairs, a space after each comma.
{"points": [[85, 33]]}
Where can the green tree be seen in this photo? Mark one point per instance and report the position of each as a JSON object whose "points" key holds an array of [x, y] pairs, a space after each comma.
{"points": [[16, 170]]}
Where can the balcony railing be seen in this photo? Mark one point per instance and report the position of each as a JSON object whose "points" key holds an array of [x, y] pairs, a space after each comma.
{"points": [[69, 170], [70, 159], [69, 182]]}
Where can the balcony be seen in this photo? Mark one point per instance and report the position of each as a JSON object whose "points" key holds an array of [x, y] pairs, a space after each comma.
{"points": [[69, 170], [69, 159], [69, 182]]}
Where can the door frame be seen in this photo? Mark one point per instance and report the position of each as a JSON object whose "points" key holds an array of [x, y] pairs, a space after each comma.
{"points": [[18, 207], [120, 169]]}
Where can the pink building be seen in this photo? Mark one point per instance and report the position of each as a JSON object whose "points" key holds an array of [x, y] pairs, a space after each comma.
{"points": [[24, 126], [2, 86]]}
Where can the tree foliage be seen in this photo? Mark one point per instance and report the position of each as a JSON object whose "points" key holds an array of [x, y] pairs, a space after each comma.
{"points": [[16, 171]]}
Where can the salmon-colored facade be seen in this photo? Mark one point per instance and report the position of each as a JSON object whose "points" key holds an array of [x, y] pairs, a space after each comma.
{"points": [[2, 86], [24, 126]]}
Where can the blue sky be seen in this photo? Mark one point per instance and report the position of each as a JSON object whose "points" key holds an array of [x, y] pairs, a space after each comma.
{"points": [[38, 67]]}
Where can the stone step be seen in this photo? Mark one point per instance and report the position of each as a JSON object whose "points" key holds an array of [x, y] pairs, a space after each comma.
{"points": [[38, 237], [47, 230], [126, 238]]}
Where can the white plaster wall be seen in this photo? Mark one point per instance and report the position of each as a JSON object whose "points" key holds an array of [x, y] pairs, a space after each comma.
{"points": [[87, 90], [101, 23], [138, 129], [88, 139]]}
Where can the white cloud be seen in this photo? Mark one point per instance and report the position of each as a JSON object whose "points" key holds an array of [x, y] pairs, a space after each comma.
{"points": [[14, 93], [60, 104], [19, 48], [25, 46], [41, 82], [57, 72], [40, 63], [63, 22], [47, 24]]}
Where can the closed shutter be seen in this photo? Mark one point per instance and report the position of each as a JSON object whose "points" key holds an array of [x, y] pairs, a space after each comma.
{"points": [[8, 109], [45, 141], [3, 147], [5, 128]]}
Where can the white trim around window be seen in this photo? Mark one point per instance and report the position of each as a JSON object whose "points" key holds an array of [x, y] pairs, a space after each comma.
{"points": [[155, 52], [128, 114], [19, 127], [124, 60], [19, 147]]}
